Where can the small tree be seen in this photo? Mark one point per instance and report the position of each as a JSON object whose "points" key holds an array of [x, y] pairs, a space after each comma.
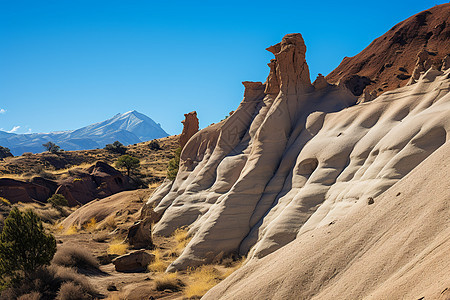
{"points": [[128, 162], [58, 200], [51, 147], [24, 246], [116, 147], [174, 164]]}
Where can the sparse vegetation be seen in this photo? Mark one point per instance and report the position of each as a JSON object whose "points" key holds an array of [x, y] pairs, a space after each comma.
{"points": [[24, 246], [158, 264], [128, 162], [91, 226], [116, 147], [168, 281], [181, 238], [202, 279], [71, 230], [51, 147], [58, 200], [118, 247], [75, 257], [48, 283], [174, 164], [154, 145]]}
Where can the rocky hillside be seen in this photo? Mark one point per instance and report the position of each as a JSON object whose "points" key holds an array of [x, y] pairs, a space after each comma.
{"points": [[398, 56], [298, 157], [129, 128]]}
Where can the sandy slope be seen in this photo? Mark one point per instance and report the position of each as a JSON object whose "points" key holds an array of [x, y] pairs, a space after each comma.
{"points": [[397, 248]]}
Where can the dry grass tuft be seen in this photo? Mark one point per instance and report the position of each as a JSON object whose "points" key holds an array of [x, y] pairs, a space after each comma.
{"points": [[158, 265], [72, 230], [202, 279], [91, 226], [168, 281], [181, 238], [118, 247]]}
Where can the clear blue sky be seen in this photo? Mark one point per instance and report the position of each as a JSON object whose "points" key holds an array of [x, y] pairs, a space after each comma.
{"points": [[66, 64]]}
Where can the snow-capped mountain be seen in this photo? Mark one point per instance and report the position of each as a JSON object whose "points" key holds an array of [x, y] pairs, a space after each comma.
{"points": [[128, 128]]}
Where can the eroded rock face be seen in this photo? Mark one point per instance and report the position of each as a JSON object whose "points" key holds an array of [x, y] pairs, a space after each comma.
{"points": [[294, 157], [190, 127], [98, 181], [84, 185], [398, 48], [139, 235], [19, 191]]}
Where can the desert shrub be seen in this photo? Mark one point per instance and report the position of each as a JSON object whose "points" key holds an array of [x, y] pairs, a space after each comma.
{"points": [[128, 162], [168, 281], [51, 147], [202, 279], [58, 200], [174, 163], [31, 296], [24, 246], [116, 147], [118, 247], [76, 257], [71, 291], [154, 145], [47, 282], [4, 201]]}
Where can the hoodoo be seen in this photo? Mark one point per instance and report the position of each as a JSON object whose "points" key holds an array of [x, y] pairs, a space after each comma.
{"points": [[296, 158]]}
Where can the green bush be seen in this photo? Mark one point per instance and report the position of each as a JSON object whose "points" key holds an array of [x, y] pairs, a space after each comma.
{"points": [[174, 164], [128, 162], [24, 247], [58, 200], [116, 147]]}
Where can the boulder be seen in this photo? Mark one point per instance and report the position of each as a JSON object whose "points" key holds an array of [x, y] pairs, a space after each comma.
{"points": [[139, 235], [20, 191], [136, 261], [190, 127], [98, 181]]}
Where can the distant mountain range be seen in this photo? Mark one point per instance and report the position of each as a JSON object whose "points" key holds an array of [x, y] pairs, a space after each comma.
{"points": [[128, 128]]}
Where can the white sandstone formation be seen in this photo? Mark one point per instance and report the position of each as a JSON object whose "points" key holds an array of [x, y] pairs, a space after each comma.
{"points": [[295, 157]]}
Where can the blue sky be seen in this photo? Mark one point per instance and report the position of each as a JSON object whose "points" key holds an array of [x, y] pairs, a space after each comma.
{"points": [[67, 64]]}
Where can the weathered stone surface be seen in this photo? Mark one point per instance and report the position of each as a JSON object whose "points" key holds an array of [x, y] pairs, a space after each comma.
{"points": [[98, 181], [190, 127], [139, 235], [19, 191], [136, 261]]}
